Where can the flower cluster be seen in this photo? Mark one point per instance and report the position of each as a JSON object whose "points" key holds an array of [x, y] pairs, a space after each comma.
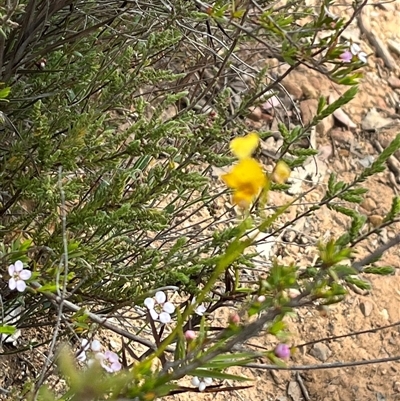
{"points": [[202, 383], [354, 51], [18, 276], [108, 360], [159, 308]]}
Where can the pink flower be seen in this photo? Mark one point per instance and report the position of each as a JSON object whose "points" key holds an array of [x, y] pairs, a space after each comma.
{"points": [[18, 276], [109, 361], [346, 57], [282, 351]]}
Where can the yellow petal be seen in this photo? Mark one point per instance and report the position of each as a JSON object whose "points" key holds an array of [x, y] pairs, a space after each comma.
{"points": [[247, 179], [281, 172], [243, 147]]}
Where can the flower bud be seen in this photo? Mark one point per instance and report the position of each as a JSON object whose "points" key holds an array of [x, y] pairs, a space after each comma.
{"points": [[190, 335], [234, 318], [282, 351]]}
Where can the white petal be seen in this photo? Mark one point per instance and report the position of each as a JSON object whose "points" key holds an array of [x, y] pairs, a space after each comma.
{"points": [[153, 314], [355, 48], [202, 386], [169, 307], [12, 284], [200, 310], [81, 357], [11, 270], [195, 381], [21, 286], [91, 362], [25, 274], [164, 317], [208, 380], [84, 344], [95, 346], [149, 303], [18, 266], [362, 57], [160, 297]]}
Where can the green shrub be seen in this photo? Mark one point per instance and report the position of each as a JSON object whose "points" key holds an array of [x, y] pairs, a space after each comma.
{"points": [[115, 114]]}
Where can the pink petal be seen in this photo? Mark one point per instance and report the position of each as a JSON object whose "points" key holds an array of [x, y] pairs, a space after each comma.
{"points": [[25, 274], [12, 284], [116, 367], [11, 270], [21, 286], [106, 367], [111, 356], [169, 307], [160, 297]]}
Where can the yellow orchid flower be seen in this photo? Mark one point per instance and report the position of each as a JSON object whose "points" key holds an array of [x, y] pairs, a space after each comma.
{"points": [[247, 179], [243, 147]]}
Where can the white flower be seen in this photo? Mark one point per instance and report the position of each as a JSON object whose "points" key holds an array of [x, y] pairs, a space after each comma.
{"points": [[356, 51], [18, 276], [201, 383], [200, 310], [95, 346], [355, 48], [362, 57], [164, 309]]}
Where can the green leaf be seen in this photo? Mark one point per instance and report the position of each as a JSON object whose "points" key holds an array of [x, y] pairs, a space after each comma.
{"points": [[321, 104], [225, 361], [363, 285], [271, 219], [343, 270], [5, 92], [217, 375], [381, 270], [337, 104], [48, 288], [394, 210], [8, 330], [277, 327]]}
